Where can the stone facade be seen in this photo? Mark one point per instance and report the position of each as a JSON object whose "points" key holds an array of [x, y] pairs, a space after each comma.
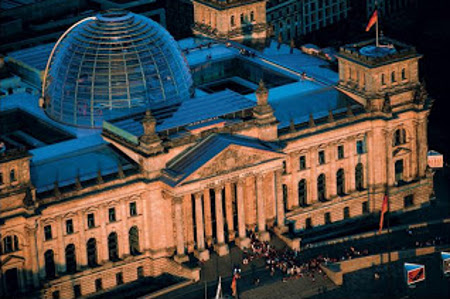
{"points": [[290, 19], [147, 221], [232, 19]]}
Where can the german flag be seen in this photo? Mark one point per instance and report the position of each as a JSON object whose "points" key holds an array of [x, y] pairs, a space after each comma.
{"points": [[373, 19], [384, 209]]}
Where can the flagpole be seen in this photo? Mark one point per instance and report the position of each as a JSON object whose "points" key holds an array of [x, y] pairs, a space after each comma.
{"points": [[376, 29]]}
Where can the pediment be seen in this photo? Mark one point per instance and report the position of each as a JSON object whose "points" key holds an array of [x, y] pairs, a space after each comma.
{"points": [[12, 259], [400, 151], [233, 158]]}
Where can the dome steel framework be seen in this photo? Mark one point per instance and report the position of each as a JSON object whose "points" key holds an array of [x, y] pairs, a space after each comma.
{"points": [[111, 65]]}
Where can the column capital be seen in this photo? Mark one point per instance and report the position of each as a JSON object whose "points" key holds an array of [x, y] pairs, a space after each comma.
{"points": [[218, 188], [198, 195], [178, 200], [166, 195]]}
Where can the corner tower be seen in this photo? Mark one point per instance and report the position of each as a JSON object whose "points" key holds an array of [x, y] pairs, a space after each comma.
{"points": [[370, 74], [230, 19]]}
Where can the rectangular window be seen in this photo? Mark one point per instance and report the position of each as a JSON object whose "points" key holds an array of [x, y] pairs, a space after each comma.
{"points": [[340, 152], [360, 147], [12, 175], [112, 214], [321, 157], [346, 212], [327, 218], [398, 170], [365, 207], [140, 272], [69, 226], [302, 162], [48, 232], [408, 201], [119, 278], [1, 179], [90, 220], [98, 285], [284, 167], [77, 291], [133, 209], [308, 223]]}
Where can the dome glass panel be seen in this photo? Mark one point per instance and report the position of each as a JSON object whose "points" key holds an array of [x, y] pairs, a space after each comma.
{"points": [[113, 65]]}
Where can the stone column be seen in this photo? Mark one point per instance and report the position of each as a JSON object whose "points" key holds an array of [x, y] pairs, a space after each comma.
{"points": [[312, 182], [32, 239], [422, 147], [229, 210], [221, 248], [102, 219], [263, 235], [242, 241], [125, 247], [207, 211], [187, 202], [181, 256], [279, 200], [81, 250], [60, 261], [390, 175], [145, 213], [250, 196], [202, 253]]}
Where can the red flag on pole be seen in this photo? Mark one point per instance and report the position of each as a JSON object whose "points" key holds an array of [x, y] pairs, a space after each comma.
{"points": [[384, 209], [373, 19], [233, 286]]}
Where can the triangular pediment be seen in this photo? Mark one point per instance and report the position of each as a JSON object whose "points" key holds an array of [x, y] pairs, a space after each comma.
{"points": [[400, 151], [12, 260], [232, 158]]}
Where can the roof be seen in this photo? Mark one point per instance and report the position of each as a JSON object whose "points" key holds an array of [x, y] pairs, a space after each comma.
{"points": [[64, 161], [192, 111], [195, 157], [35, 57]]}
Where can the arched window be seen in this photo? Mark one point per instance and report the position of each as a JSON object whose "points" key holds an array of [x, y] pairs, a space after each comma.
{"points": [[133, 238], [252, 16], [242, 19], [71, 261], [383, 79], [285, 197], [302, 193], [49, 259], [399, 137], [359, 177], [340, 182], [10, 244], [403, 74], [113, 251], [91, 249], [393, 79], [321, 187], [232, 21]]}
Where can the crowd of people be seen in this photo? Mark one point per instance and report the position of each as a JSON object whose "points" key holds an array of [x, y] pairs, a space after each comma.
{"points": [[289, 262]]}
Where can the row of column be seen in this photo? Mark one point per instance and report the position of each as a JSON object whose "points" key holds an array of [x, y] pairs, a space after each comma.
{"points": [[203, 219]]}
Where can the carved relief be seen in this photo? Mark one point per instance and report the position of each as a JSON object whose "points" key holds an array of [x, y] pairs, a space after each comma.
{"points": [[230, 160]]}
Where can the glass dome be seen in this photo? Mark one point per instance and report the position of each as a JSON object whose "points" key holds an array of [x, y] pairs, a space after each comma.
{"points": [[112, 65]]}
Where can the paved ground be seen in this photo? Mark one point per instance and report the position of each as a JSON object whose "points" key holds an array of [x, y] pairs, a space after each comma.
{"points": [[391, 284]]}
